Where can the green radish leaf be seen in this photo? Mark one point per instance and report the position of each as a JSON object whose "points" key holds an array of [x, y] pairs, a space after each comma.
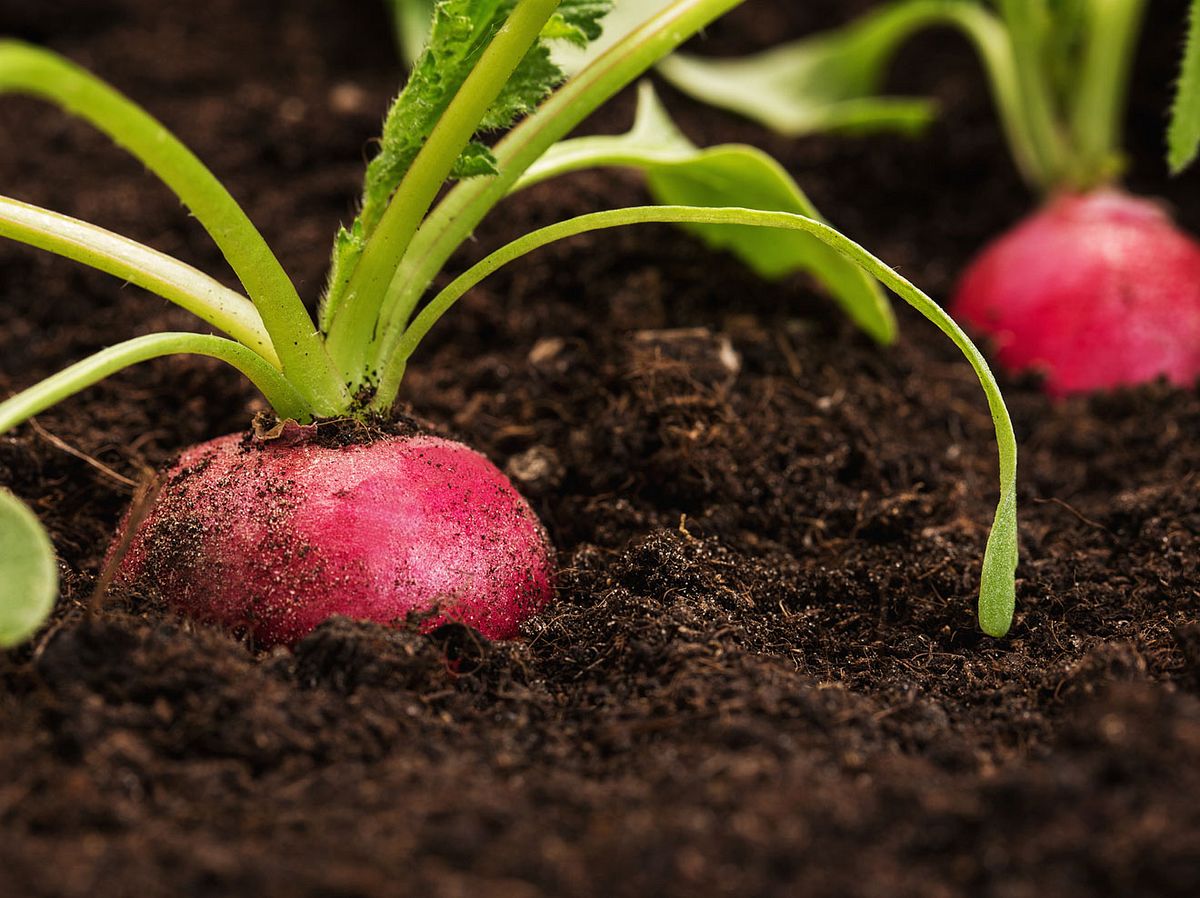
{"points": [[1183, 136], [829, 82], [680, 174], [460, 32], [28, 572], [412, 20]]}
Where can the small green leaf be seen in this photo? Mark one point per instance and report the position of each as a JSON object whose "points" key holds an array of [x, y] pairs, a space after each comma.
{"points": [[827, 82], [28, 572], [1183, 136], [733, 175]]}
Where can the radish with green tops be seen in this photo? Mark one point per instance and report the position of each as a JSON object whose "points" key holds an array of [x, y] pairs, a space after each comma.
{"points": [[271, 536], [1096, 289]]}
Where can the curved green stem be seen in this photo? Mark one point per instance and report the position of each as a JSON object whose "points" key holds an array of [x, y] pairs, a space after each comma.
{"points": [[997, 585], [283, 397], [352, 334], [40, 73], [458, 214], [137, 264], [678, 173]]}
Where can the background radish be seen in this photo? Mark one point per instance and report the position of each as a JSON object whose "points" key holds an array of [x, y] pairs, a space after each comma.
{"points": [[273, 536], [1095, 289]]}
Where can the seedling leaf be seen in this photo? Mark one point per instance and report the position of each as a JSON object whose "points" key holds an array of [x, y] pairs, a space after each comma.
{"points": [[678, 173], [1183, 136], [827, 82], [28, 572]]}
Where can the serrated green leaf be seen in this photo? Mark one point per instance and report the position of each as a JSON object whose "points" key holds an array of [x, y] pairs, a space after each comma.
{"points": [[823, 83], [578, 24], [475, 160], [733, 175], [28, 572], [461, 30], [1183, 135]]}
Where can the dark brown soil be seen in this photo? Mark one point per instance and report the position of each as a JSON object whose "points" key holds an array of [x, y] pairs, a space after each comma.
{"points": [[761, 675]]}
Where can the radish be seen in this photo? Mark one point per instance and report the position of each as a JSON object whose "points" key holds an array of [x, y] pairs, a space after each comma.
{"points": [[1095, 290], [271, 536]]}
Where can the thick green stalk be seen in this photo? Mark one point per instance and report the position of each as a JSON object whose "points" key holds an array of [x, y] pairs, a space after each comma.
{"points": [[137, 264], [283, 397], [1111, 31], [40, 73], [458, 214], [997, 585], [354, 329]]}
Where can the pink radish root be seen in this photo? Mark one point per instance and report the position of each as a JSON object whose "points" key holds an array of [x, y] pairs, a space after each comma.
{"points": [[271, 537], [1097, 290]]}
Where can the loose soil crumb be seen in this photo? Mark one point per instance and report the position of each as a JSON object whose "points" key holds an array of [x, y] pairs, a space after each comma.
{"points": [[761, 675]]}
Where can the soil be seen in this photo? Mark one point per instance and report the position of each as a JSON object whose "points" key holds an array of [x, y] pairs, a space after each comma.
{"points": [[761, 674]]}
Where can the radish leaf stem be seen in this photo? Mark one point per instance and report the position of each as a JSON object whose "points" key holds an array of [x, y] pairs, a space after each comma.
{"points": [[997, 582], [282, 395], [137, 264], [40, 73]]}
